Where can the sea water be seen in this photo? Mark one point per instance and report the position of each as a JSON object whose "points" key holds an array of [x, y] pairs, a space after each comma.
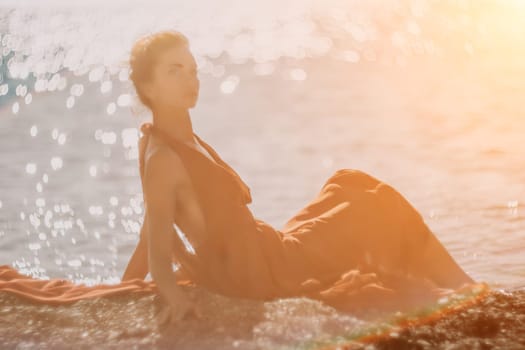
{"points": [[424, 96]]}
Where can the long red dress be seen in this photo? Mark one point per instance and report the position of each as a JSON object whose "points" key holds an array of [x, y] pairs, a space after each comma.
{"points": [[357, 244]]}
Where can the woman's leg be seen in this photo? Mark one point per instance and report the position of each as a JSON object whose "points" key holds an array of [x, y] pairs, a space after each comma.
{"points": [[430, 258], [331, 195], [423, 255], [399, 233]]}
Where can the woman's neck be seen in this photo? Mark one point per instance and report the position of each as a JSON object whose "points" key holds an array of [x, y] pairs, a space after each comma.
{"points": [[176, 123]]}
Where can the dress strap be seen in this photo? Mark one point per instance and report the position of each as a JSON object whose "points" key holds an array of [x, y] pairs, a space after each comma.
{"points": [[247, 198], [148, 128]]}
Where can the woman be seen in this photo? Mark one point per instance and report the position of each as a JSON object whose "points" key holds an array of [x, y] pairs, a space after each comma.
{"points": [[358, 243]]}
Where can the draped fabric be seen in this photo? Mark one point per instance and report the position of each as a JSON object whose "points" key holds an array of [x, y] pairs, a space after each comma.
{"points": [[358, 244]]}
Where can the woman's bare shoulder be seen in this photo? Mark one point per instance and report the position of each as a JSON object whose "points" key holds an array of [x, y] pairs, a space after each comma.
{"points": [[149, 145], [164, 164], [155, 146]]}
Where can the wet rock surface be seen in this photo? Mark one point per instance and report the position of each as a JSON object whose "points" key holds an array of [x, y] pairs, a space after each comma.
{"points": [[497, 321]]}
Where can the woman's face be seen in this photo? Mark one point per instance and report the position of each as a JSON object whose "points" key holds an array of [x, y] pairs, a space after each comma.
{"points": [[174, 82]]}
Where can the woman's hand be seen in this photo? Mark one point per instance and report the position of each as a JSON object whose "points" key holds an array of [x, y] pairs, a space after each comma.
{"points": [[178, 309]]}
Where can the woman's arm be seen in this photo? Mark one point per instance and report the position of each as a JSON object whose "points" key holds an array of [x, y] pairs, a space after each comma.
{"points": [[138, 264], [167, 184]]}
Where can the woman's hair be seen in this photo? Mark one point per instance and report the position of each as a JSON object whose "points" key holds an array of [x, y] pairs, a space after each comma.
{"points": [[144, 54]]}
